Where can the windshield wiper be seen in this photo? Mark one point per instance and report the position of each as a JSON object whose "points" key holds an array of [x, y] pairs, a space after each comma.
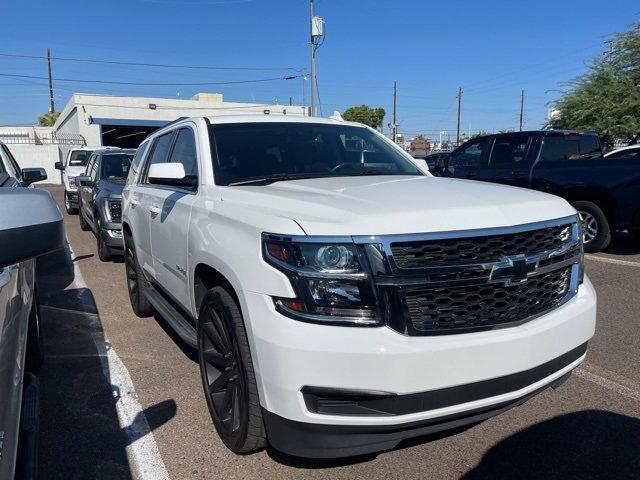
{"points": [[276, 177]]}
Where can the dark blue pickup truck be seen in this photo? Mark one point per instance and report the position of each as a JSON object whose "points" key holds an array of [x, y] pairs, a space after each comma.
{"points": [[605, 191]]}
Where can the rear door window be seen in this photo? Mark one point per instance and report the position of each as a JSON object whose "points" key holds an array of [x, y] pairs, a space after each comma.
{"points": [[570, 147], [560, 147], [509, 150]]}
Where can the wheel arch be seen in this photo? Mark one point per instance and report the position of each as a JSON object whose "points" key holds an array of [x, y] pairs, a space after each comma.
{"points": [[206, 277], [594, 195]]}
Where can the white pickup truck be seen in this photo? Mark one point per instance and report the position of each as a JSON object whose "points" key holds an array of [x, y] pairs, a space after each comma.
{"points": [[340, 298], [74, 165]]}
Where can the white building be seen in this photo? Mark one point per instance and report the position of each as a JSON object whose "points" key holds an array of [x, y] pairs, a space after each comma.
{"points": [[125, 121], [101, 120]]}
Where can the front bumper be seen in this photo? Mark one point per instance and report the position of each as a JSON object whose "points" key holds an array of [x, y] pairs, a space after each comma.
{"points": [[112, 237], [290, 355], [72, 196]]}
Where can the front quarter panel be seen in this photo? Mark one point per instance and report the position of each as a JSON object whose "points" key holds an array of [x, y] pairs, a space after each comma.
{"points": [[228, 239]]}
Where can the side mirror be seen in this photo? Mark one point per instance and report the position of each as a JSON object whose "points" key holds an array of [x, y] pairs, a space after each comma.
{"points": [[30, 225], [170, 174], [58, 166], [84, 181], [33, 175]]}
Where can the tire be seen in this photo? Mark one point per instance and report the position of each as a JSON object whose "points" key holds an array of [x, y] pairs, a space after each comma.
{"points": [[227, 373], [34, 356], [84, 226], [67, 205], [597, 232], [104, 252], [136, 281]]}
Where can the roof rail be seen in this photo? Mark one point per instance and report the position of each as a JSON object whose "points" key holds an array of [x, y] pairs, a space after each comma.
{"points": [[174, 121]]}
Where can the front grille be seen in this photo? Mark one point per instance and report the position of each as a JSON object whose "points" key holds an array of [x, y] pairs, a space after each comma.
{"points": [[472, 307], [452, 251]]}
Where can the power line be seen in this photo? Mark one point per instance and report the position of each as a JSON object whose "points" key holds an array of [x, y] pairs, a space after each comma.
{"points": [[151, 84], [142, 64]]}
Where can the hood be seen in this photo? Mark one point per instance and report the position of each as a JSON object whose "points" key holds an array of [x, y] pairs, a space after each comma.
{"points": [[74, 171], [396, 204], [112, 187]]}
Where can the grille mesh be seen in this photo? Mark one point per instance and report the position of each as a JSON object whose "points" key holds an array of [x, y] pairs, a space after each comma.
{"points": [[479, 306], [454, 251]]}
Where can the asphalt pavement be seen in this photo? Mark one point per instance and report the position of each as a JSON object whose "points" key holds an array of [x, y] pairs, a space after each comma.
{"points": [[121, 396]]}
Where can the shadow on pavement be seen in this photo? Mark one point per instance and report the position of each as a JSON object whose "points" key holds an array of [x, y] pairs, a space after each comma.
{"points": [[624, 244], [591, 444], [80, 434]]}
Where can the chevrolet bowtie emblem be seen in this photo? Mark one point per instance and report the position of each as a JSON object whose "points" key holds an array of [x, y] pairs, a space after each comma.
{"points": [[512, 270]]}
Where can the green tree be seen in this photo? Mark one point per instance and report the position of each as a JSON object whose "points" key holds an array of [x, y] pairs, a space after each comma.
{"points": [[365, 114], [607, 98], [48, 119]]}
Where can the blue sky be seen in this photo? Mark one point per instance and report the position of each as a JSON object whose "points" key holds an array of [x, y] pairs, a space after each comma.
{"points": [[492, 49]]}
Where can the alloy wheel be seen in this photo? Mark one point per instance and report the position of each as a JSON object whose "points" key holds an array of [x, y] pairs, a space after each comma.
{"points": [[224, 379], [589, 227]]}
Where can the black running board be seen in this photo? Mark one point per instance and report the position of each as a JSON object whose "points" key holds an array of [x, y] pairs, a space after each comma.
{"points": [[180, 324], [27, 460]]}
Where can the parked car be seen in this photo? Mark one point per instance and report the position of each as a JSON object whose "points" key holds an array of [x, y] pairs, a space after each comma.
{"points": [[30, 225], [632, 151], [75, 164], [606, 192], [100, 198], [340, 298]]}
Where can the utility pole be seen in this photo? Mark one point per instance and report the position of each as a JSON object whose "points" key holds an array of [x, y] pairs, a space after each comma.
{"points": [[521, 107], [394, 125], [316, 33], [52, 107], [459, 104]]}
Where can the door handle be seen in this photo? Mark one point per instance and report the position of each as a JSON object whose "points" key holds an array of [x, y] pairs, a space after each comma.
{"points": [[154, 210], [517, 173]]}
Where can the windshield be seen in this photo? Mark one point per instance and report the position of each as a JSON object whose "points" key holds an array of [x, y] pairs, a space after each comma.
{"points": [[79, 158], [115, 166], [246, 151]]}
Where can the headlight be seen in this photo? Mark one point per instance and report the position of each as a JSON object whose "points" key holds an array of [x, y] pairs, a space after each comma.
{"points": [[331, 280], [72, 182], [114, 210]]}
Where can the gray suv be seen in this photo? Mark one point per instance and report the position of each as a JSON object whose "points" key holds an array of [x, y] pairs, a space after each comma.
{"points": [[100, 198], [30, 225]]}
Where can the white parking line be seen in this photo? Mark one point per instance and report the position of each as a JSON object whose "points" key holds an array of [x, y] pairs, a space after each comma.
{"points": [[142, 451], [613, 261], [608, 384]]}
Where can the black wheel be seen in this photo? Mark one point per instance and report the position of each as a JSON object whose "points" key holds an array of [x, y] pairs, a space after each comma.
{"points": [[104, 252], [227, 373], [34, 356], [136, 282], [596, 231], [84, 226], [67, 205]]}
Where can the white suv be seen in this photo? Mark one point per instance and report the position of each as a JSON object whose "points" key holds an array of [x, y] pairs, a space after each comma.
{"points": [[340, 298]]}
